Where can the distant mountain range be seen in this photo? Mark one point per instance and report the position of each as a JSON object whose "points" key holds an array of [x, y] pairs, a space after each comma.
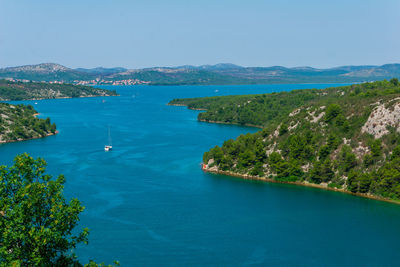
{"points": [[223, 73]]}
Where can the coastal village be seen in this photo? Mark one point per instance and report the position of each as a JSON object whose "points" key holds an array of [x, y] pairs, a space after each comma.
{"points": [[97, 81], [110, 82]]}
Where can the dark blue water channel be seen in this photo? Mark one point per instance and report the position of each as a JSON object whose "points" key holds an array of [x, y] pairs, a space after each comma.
{"points": [[148, 202]]}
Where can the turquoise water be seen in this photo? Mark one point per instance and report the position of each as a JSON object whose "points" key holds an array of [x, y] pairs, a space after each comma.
{"points": [[148, 202]]}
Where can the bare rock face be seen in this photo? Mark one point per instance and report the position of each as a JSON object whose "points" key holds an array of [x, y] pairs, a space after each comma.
{"points": [[380, 118], [295, 112], [316, 118], [361, 150]]}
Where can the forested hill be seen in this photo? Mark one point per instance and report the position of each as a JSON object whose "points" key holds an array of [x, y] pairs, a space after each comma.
{"points": [[18, 122], [346, 138], [200, 75], [32, 90]]}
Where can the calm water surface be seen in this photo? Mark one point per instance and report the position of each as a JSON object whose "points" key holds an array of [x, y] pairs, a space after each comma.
{"points": [[148, 202]]}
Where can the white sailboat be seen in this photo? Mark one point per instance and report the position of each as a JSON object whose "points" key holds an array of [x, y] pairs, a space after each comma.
{"points": [[109, 146]]}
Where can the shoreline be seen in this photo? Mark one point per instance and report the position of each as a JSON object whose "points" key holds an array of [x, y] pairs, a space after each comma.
{"points": [[305, 184], [32, 138], [183, 105], [231, 123], [13, 141], [240, 84], [62, 97], [217, 122]]}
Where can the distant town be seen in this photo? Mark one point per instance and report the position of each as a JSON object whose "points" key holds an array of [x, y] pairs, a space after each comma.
{"points": [[89, 83], [108, 82]]}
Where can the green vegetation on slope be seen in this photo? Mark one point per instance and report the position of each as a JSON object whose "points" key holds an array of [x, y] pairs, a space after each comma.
{"points": [[344, 137], [37, 224], [18, 122], [182, 77], [256, 110], [32, 90], [263, 109]]}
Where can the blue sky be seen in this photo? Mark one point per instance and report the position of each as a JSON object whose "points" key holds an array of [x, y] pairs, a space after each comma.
{"points": [[145, 33]]}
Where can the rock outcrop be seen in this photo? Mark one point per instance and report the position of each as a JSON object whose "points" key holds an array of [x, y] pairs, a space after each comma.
{"points": [[380, 118]]}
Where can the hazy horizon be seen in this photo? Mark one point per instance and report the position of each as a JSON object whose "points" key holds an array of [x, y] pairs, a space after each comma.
{"points": [[111, 67], [142, 34]]}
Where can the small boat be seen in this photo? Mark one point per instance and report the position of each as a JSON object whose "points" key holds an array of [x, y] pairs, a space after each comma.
{"points": [[109, 146]]}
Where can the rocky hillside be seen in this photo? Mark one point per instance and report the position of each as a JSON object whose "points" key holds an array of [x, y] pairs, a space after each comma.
{"points": [[30, 90], [18, 123], [45, 72], [344, 138]]}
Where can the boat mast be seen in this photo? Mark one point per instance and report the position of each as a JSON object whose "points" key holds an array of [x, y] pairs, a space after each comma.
{"points": [[109, 136]]}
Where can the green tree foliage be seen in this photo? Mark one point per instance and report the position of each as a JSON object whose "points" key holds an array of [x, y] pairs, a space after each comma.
{"points": [[359, 182], [388, 179], [37, 224], [346, 126], [395, 81], [283, 129], [249, 110], [36, 221], [322, 172], [283, 168], [324, 152], [226, 163], [246, 159], [333, 141], [347, 159], [368, 160], [340, 120], [258, 169], [396, 152], [376, 148], [332, 112]]}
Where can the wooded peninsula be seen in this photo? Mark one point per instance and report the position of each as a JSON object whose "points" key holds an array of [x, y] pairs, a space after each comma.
{"points": [[342, 138], [19, 122], [10, 91]]}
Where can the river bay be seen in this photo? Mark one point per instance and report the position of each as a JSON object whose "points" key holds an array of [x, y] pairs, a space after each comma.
{"points": [[148, 203]]}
